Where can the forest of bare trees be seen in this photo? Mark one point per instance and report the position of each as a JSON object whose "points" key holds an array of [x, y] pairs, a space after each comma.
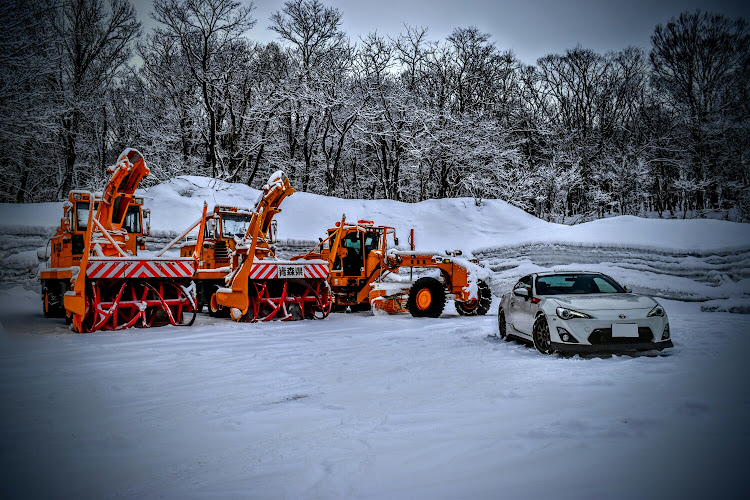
{"points": [[578, 135]]}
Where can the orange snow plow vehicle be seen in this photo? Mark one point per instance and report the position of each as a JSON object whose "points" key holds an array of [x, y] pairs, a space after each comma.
{"points": [[361, 256], [95, 276], [213, 251], [237, 272], [65, 248]]}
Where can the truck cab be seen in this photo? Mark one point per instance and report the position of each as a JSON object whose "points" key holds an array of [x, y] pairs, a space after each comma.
{"points": [[68, 244], [224, 225]]}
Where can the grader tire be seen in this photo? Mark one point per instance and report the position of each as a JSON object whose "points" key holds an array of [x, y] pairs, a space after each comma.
{"points": [[426, 298], [478, 307]]}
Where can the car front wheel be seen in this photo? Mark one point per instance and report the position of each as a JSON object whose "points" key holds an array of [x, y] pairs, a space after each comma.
{"points": [[542, 339]]}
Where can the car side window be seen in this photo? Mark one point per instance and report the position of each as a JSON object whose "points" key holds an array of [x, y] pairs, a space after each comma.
{"points": [[524, 282]]}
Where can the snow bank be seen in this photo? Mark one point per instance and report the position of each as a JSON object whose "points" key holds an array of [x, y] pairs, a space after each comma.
{"points": [[694, 259], [447, 224], [29, 218], [733, 304]]}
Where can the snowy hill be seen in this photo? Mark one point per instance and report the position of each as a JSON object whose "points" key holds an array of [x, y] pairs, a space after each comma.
{"points": [[449, 223]]}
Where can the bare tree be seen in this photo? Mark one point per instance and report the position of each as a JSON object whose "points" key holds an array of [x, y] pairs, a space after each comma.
{"points": [[700, 65], [206, 30], [320, 52], [94, 44]]}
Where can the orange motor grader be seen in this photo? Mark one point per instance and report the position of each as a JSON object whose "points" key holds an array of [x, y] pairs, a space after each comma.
{"points": [[95, 269], [360, 256]]}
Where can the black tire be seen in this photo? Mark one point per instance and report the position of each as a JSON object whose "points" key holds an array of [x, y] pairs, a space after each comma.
{"points": [[541, 336], [477, 307], [365, 306], [200, 299], [426, 298], [502, 326], [53, 293], [46, 310]]}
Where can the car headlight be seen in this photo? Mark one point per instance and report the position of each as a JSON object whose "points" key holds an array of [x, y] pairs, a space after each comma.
{"points": [[564, 313], [656, 311]]}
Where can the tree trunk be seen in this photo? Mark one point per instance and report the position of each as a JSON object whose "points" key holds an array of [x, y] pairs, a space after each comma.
{"points": [[70, 131]]}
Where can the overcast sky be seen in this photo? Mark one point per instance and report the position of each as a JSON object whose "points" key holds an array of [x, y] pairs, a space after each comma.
{"points": [[531, 28]]}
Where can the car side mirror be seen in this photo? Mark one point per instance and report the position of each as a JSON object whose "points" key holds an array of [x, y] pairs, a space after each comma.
{"points": [[521, 292], [627, 289]]}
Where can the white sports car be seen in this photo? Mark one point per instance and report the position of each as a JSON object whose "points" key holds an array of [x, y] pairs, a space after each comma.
{"points": [[581, 312]]}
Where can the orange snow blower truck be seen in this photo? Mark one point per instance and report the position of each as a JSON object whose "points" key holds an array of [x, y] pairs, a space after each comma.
{"points": [[214, 249], [361, 256], [238, 273], [94, 265], [65, 248]]}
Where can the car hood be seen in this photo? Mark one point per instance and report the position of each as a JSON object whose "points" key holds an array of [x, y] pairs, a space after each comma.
{"points": [[604, 301]]}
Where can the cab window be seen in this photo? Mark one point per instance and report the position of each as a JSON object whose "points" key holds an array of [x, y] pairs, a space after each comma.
{"points": [[82, 216], [132, 222], [234, 225], [353, 256], [372, 241]]}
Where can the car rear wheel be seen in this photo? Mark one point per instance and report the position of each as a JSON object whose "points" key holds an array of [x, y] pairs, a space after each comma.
{"points": [[541, 336], [501, 325]]}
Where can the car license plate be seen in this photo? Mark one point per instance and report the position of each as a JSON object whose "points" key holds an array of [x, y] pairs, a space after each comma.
{"points": [[625, 330], [291, 271]]}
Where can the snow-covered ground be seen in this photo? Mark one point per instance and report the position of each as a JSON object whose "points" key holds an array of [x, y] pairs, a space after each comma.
{"points": [[366, 406], [384, 406]]}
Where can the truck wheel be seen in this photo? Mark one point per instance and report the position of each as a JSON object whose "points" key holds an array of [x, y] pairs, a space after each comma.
{"points": [[426, 298], [478, 306], [52, 299], [45, 303]]}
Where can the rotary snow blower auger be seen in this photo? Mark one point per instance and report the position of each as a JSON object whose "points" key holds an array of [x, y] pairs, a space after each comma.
{"points": [[362, 255], [260, 287], [113, 288]]}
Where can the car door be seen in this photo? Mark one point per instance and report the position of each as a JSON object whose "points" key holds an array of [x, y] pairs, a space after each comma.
{"points": [[520, 307]]}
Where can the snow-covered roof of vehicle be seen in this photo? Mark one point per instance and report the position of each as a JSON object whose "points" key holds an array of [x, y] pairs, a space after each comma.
{"points": [[552, 273]]}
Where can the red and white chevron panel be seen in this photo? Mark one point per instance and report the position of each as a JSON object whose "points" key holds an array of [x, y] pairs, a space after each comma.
{"points": [[316, 271], [264, 271], [139, 268]]}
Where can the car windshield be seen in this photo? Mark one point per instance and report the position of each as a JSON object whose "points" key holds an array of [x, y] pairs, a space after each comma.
{"points": [[234, 225], [564, 284]]}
